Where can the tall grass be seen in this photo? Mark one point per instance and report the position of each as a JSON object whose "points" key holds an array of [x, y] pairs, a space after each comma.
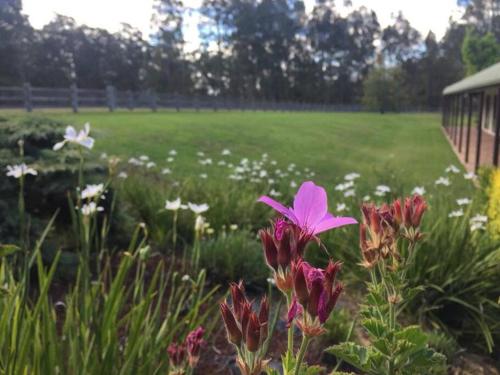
{"points": [[122, 323]]}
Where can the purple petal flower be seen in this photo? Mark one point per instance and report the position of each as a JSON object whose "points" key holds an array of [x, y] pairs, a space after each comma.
{"points": [[294, 311], [310, 210]]}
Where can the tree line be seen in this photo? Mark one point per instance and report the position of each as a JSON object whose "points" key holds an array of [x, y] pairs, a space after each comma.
{"points": [[257, 50]]}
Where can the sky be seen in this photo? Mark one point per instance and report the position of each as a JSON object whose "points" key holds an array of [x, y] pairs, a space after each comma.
{"points": [[424, 15]]}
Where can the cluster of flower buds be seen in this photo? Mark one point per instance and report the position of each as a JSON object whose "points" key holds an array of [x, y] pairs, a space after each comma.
{"points": [[283, 243], [382, 227], [316, 293], [186, 354], [246, 329]]}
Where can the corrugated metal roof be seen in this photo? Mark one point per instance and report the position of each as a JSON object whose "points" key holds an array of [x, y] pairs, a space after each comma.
{"points": [[486, 77]]}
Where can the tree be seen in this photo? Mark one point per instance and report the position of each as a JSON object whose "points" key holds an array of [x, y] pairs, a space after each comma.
{"points": [[479, 52], [15, 36], [382, 90]]}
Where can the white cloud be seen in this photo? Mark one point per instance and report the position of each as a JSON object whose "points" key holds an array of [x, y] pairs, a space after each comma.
{"points": [[424, 15]]}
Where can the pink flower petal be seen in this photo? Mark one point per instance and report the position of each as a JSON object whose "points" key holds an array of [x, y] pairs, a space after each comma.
{"points": [[330, 222], [310, 205], [278, 207]]}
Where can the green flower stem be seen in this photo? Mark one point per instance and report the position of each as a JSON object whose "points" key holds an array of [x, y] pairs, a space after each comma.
{"points": [[290, 330], [302, 352]]}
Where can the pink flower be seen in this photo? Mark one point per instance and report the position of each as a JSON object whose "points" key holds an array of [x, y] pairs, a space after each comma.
{"points": [[310, 210], [194, 342]]}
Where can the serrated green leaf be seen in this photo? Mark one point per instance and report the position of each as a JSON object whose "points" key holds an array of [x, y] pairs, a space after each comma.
{"points": [[375, 327], [353, 354], [414, 335]]}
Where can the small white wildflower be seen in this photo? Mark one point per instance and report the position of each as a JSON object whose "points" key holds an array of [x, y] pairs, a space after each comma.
{"points": [[225, 152], [198, 208], [470, 176], [173, 205], [170, 159], [172, 152], [344, 186], [135, 161], [418, 190], [144, 157], [464, 201], [150, 164], [200, 154], [479, 218], [90, 208], [456, 213], [477, 226], [349, 193], [445, 181], [186, 278], [19, 170], [104, 156], [203, 175], [452, 169], [274, 193], [351, 176], [122, 175], [81, 138], [221, 162], [293, 184], [92, 190], [274, 162], [271, 280], [233, 227], [341, 207], [366, 198], [166, 171]]}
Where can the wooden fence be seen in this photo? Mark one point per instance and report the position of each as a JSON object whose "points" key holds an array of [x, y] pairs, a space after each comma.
{"points": [[75, 98]]}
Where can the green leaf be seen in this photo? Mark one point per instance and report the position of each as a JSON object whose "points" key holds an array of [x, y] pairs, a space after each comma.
{"points": [[375, 327], [356, 355], [6, 250], [414, 335]]}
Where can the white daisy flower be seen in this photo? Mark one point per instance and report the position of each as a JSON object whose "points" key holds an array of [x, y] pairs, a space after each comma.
{"points": [[19, 170], [81, 138], [464, 201], [418, 190], [198, 208], [456, 213], [92, 190], [445, 181]]}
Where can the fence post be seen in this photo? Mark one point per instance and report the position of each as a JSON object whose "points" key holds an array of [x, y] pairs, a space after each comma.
{"points": [[130, 100], [111, 97], [28, 98], [153, 101], [74, 98]]}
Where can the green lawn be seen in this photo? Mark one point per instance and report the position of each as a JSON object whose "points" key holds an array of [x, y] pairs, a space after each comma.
{"points": [[408, 146]]}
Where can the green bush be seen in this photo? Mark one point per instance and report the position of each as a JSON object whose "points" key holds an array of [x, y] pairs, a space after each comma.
{"points": [[233, 256]]}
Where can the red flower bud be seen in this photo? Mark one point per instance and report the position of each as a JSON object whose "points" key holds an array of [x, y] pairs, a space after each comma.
{"points": [[397, 212], [238, 297], [264, 317], [330, 274], [299, 282], [194, 342], [246, 310], [233, 332], [316, 289], [270, 250], [176, 354], [253, 333], [285, 248]]}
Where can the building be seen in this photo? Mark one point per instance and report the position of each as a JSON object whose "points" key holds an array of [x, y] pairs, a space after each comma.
{"points": [[471, 117]]}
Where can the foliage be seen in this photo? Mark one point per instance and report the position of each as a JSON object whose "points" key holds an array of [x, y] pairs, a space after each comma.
{"points": [[382, 90], [265, 50], [234, 254], [459, 271], [388, 236], [494, 204], [47, 191], [113, 326], [479, 52]]}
